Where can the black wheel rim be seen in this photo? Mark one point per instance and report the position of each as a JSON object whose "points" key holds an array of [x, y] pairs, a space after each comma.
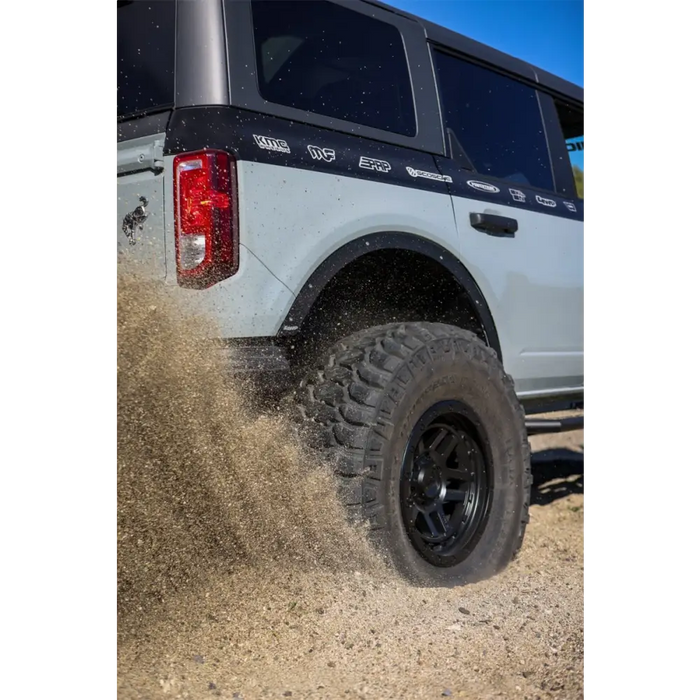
{"points": [[445, 484]]}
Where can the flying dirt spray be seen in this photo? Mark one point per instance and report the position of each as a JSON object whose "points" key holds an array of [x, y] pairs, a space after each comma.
{"points": [[204, 485], [238, 575]]}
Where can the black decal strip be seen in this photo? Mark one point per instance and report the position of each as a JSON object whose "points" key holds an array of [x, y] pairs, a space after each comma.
{"points": [[464, 183], [261, 138], [264, 139]]}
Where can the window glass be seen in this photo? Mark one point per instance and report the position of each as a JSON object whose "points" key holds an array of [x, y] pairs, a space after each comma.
{"points": [[571, 120], [497, 121], [327, 59]]}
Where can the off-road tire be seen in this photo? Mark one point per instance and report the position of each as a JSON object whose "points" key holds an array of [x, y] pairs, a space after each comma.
{"points": [[359, 406]]}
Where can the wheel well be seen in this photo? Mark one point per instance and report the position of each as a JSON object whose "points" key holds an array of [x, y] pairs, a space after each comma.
{"points": [[385, 286]]}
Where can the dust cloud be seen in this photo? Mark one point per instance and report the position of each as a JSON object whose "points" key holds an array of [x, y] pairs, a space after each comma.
{"points": [[238, 576]]}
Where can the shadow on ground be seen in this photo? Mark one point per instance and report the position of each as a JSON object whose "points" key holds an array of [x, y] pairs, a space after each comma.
{"points": [[556, 474]]}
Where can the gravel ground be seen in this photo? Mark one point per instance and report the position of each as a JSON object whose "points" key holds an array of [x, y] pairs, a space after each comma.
{"points": [[224, 594]]}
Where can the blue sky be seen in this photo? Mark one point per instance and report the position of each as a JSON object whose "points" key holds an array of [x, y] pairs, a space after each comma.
{"points": [[546, 33]]}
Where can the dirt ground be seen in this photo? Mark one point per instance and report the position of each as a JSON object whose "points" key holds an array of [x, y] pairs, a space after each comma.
{"points": [[224, 594]]}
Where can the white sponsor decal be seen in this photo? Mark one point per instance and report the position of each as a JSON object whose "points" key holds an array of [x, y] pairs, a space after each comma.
{"points": [[270, 144], [570, 206], [430, 176], [318, 153], [483, 186], [517, 195], [545, 202], [380, 166]]}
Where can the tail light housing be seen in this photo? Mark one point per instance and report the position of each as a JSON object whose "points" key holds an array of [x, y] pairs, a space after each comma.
{"points": [[206, 218]]}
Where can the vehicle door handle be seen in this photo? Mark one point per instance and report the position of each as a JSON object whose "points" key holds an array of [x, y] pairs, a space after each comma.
{"points": [[494, 225]]}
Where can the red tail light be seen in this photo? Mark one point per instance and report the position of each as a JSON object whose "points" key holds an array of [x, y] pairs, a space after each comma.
{"points": [[206, 218]]}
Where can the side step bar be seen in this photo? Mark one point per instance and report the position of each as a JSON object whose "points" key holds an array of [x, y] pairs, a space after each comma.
{"points": [[537, 426]]}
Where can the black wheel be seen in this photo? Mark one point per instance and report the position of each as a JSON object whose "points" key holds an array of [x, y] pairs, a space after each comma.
{"points": [[428, 440]]}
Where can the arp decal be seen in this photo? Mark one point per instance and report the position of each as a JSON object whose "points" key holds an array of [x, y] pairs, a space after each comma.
{"points": [[518, 195], [318, 153], [483, 186], [429, 176], [381, 166], [545, 202], [570, 206], [270, 144]]}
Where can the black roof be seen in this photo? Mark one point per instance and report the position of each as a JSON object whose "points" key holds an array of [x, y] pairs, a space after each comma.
{"points": [[482, 52]]}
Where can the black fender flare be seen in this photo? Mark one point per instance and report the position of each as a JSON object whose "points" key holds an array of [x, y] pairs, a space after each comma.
{"points": [[355, 249]]}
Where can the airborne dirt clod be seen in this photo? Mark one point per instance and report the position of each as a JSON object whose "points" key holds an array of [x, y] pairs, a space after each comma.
{"points": [[238, 577]]}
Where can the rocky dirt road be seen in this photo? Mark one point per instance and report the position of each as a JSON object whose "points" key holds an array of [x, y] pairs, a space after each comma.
{"points": [[519, 635]]}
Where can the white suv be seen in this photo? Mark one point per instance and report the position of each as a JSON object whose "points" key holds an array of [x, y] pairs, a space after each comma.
{"points": [[387, 219]]}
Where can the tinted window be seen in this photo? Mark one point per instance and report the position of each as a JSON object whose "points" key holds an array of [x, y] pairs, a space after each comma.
{"points": [[323, 58], [496, 120], [145, 55], [571, 120]]}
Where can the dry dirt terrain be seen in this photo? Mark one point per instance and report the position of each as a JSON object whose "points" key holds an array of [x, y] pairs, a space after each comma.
{"points": [[235, 583]]}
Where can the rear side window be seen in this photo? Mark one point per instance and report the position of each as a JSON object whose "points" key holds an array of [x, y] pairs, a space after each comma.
{"points": [[571, 120], [497, 121], [145, 56], [327, 59]]}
